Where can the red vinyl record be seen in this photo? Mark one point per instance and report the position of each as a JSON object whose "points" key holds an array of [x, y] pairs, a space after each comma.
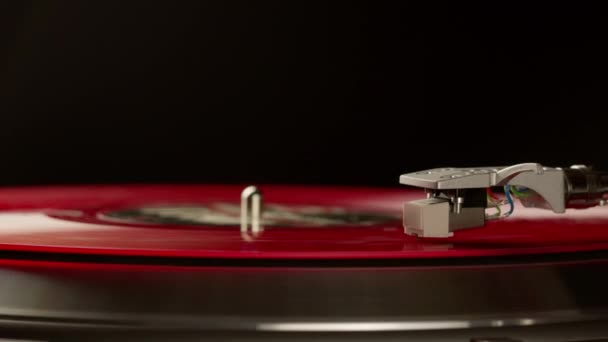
{"points": [[299, 222]]}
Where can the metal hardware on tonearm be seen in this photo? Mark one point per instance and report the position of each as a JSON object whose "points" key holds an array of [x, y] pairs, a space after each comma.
{"points": [[457, 198]]}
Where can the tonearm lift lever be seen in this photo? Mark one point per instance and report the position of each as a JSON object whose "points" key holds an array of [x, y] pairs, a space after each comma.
{"points": [[457, 198]]}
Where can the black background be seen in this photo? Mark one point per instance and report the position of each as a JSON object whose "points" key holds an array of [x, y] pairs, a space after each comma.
{"points": [[295, 92]]}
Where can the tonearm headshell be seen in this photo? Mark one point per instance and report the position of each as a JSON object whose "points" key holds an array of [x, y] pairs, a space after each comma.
{"points": [[457, 198]]}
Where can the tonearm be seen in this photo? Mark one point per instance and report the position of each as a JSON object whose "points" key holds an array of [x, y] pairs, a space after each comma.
{"points": [[457, 198]]}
